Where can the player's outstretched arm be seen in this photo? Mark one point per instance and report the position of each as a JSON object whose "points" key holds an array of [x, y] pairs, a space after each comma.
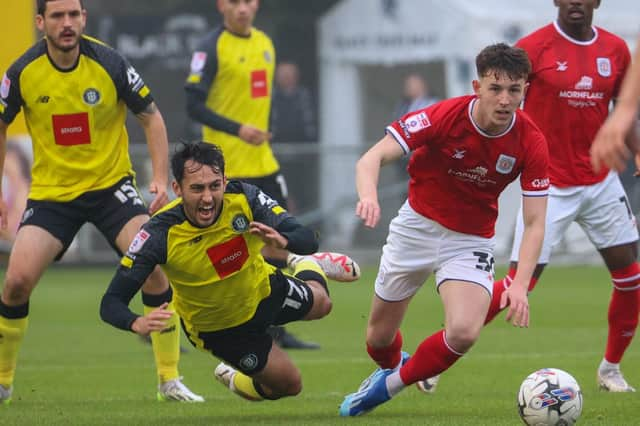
{"points": [[4, 211], [367, 176], [534, 210], [616, 140], [155, 133]]}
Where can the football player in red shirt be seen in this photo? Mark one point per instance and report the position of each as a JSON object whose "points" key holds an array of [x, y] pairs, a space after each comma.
{"points": [[577, 70], [466, 150], [612, 146]]}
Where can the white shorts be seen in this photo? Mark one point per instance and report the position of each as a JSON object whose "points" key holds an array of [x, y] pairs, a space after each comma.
{"points": [[417, 246], [602, 211]]}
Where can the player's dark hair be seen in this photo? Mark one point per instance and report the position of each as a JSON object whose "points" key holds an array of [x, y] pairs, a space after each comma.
{"points": [[204, 153], [502, 58], [41, 6]]}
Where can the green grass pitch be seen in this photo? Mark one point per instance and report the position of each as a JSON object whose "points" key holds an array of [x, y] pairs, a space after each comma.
{"points": [[75, 370]]}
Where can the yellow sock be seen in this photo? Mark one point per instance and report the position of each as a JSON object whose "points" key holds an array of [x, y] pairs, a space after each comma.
{"points": [[243, 386], [11, 334], [166, 346], [308, 265]]}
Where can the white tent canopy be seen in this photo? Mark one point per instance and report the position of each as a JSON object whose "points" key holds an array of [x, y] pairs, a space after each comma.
{"points": [[359, 33]]}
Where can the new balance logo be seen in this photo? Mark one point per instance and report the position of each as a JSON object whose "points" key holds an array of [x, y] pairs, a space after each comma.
{"points": [[43, 99], [195, 240]]}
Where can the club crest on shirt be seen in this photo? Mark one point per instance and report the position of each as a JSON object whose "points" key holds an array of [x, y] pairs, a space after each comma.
{"points": [[562, 65], [267, 56], [91, 96], [604, 66], [138, 241], [240, 223], [505, 164]]}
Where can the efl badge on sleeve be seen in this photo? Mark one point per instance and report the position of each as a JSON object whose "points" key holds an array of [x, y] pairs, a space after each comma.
{"points": [[138, 241], [4, 88], [604, 66], [197, 61], [417, 122], [505, 164]]}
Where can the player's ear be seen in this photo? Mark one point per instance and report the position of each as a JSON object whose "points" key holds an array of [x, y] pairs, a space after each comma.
{"points": [[40, 23], [176, 188], [476, 86]]}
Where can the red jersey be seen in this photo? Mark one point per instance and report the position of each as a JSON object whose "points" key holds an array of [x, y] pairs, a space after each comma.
{"points": [[457, 171], [572, 83]]}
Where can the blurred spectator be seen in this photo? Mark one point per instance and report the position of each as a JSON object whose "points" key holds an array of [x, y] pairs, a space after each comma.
{"points": [[16, 179], [292, 114], [415, 95]]}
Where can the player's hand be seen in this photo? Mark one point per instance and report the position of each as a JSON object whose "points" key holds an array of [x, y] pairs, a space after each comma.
{"points": [[155, 320], [516, 297], [270, 236], [4, 213], [252, 135], [611, 147], [161, 196], [369, 211]]}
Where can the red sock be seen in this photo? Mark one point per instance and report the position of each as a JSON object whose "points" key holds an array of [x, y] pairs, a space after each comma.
{"points": [[498, 288], [390, 356], [432, 357], [623, 311]]}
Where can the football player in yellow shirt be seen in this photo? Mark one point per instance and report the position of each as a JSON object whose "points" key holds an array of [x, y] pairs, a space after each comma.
{"points": [[74, 92], [209, 242]]}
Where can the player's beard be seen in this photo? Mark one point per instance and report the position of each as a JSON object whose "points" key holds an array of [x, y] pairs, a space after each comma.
{"points": [[64, 48]]}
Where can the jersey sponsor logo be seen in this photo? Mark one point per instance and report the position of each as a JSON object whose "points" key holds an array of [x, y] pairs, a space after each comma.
{"points": [[5, 87], [604, 66], [459, 154], [540, 183], [240, 223], [91, 96], [417, 122], [71, 129], [134, 79], [585, 83], [138, 241], [259, 87], [229, 256], [198, 60], [477, 175], [505, 164], [562, 66]]}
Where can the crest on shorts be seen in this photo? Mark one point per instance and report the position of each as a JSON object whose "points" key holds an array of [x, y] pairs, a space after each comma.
{"points": [[505, 164], [249, 362], [138, 241], [604, 66], [240, 223]]}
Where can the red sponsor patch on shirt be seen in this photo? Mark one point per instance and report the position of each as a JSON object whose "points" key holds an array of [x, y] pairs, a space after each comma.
{"points": [[229, 257], [71, 129], [259, 88]]}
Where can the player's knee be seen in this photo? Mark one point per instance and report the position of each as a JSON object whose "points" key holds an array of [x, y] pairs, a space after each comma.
{"points": [[18, 286], [291, 385], [323, 305], [461, 337]]}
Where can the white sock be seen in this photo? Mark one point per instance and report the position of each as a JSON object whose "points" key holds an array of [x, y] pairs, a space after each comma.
{"points": [[394, 383], [608, 366]]}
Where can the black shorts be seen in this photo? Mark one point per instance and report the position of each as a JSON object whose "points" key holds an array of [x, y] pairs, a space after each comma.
{"points": [[273, 185], [247, 346], [108, 209]]}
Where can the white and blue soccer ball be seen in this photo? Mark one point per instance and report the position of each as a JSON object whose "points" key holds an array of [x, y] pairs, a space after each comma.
{"points": [[550, 397]]}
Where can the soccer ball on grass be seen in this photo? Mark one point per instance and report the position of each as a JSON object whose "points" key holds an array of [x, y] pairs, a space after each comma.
{"points": [[550, 397]]}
